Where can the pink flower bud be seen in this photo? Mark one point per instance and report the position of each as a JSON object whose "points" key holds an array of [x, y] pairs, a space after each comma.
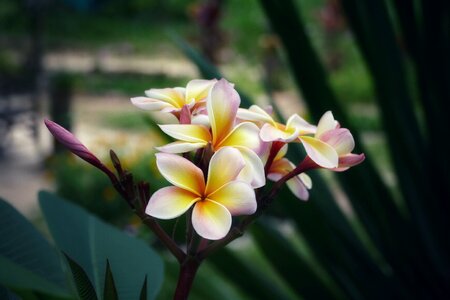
{"points": [[66, 138]]}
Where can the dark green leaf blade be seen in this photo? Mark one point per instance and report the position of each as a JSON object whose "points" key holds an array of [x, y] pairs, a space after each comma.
{"points": [[110, 291], [83, 285]]}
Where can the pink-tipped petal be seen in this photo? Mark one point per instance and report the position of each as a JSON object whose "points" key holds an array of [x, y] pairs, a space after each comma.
{"points": [[320, 152], [296, 122], [211, 220], [297, 187], [224, 166], [222, 105], [269, 133], [348, 161], [245, 135], [340, 139], [187, 132], [151, 104], [237, 196], [180, 147], [170, 202], [185, 115], [326, 122], [253, 171], [306, 180], [181, 172]]}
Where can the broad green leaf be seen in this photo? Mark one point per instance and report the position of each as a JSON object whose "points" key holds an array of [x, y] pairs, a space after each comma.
{"points": [[90, 242], [27, 260], [83, 285]]}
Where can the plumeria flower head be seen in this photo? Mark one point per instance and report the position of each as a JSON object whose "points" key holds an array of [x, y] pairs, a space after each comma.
{"points": [[214, 201], [174, 99], [222, 105]]}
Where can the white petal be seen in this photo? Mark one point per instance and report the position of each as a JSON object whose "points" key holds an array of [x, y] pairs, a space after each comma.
{"points": [[224, 166], [181, 172], [326, 122], [180, 147], [237, 196], [253, 172], [211, 220], [320, 152], [170, 202], [151, 104]]}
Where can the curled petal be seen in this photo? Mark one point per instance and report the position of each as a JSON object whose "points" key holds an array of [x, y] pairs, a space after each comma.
{"points": [[306, 180], [187, 132], [237, 196], [326, 123], [348, 161], [320, 152], [151, 104], [174, 96], [198, 89], [245, 135], [181, 172], [170, 202], [253, 171], [222, 105], [269, 133], [211, 220], [224, 166], [298, 188], [180, 147], [340, 139], [279, 168], [254, 114], [296, 122]]}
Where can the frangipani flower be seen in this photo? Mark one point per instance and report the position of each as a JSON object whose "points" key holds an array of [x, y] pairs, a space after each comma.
{"points": [[214, 201], [329, 131], [281, 166], [296, 129], [273, 131], [173, 99], [222, 105]]}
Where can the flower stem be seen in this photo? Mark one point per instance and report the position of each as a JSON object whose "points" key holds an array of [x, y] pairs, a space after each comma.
{"points": [[186, 277]]}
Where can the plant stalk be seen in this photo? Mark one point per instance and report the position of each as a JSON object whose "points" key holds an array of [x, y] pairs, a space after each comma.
{"points": [[186, 278]]}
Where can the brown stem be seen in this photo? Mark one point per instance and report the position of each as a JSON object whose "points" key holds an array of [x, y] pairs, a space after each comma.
{"points": [[163, 236], [186, 277]]}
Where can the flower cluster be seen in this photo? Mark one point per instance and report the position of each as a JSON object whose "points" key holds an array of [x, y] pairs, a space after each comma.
{"points": [[222, 153]]}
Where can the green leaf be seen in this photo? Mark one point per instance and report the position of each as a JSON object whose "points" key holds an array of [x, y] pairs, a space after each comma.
{"points": [[27, 260], [290, 265], [90, 242], [110, 291], [6, 294], [83, 285], [255, 284]]}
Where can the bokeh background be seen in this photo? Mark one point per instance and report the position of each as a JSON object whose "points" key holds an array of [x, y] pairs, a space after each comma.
{"points": [[379, 231]]}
